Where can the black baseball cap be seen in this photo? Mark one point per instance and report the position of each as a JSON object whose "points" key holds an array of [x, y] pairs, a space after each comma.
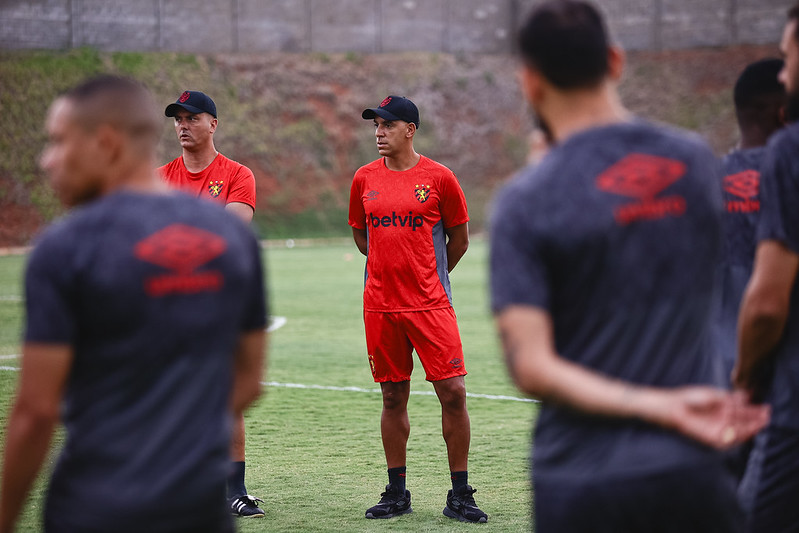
{"points": [[394, 108], [193, 102]]}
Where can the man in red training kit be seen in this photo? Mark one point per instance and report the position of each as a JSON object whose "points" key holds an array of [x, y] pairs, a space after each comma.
{"points": [[201, 170], [408, 216], [205, 173]]}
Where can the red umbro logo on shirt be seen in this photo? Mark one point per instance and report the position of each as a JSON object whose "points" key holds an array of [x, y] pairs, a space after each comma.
{"points": [[744, 185], [181, 249], [643, 176]]}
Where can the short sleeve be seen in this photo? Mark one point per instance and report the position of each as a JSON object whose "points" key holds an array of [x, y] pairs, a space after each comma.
{"points": [[243, 187], [50, 293], [453, 202], [257, 310], [357, 215], [518, 272], [779, 196]]}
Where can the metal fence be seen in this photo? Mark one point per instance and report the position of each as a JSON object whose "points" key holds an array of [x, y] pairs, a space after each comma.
{"points": [[364, 26]]}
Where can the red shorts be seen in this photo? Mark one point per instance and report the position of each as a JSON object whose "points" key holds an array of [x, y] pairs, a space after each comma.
{"points": [[392, 337]]}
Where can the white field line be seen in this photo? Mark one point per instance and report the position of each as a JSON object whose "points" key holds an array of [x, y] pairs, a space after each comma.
{"points": [[11, 298], [374, 391], [275, 323]]}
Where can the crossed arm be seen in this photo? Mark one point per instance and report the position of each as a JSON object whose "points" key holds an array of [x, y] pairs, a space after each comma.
{"points": [[711, 416], [457, 242], [240, 209]]}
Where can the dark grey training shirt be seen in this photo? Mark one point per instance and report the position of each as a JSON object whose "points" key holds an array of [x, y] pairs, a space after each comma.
{"points": [[152, 292], [616, 234]]}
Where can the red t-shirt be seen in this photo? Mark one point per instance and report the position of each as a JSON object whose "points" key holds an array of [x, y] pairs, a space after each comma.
{"points": [[223, 181], [405, 214]]}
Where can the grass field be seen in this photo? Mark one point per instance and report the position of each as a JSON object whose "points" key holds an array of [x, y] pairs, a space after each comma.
{"points": [[314, 453]]}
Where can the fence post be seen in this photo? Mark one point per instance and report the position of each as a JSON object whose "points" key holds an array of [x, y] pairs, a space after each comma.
{"points": [[657, 26], [234, 23], [733, 21]]}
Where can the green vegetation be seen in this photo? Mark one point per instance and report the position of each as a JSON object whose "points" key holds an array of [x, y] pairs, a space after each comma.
{"points": [[315, 455], [294, 119]]}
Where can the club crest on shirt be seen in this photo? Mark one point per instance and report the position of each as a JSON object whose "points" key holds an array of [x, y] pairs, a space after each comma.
{"points": [[746, 186], [215, 187], [643, 177], [372, 363], [422, 192]]}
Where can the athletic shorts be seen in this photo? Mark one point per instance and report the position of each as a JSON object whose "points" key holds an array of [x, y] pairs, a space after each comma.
{"points": [[696, 499], [392, 337], [769, 491]]}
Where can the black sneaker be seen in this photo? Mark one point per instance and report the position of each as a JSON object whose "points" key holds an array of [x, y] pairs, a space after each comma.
{"points": [[393, 502], [461, 505], [246, 506]]}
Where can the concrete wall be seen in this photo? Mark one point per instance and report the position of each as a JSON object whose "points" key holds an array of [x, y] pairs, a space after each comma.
{"points": [[368, 26]]}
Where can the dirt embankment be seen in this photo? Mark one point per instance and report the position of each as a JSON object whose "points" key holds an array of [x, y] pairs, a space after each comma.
{"points": [[295, 120]]}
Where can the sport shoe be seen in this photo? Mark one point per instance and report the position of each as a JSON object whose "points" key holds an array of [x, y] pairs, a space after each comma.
{"points": [[246, 506], [461, 505], [392, 503]]}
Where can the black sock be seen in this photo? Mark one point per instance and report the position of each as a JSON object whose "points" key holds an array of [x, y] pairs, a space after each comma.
{"points": [[459, 480], [235, 481], [396, 477]]}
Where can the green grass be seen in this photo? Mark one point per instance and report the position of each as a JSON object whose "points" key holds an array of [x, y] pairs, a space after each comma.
{"points": [[315, 456]]}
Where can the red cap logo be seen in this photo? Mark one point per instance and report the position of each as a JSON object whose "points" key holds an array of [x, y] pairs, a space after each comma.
{"points": [[185, 96], [385, 102]]}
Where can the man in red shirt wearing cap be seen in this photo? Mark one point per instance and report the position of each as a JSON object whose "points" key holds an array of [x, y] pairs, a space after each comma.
{"points": [[203, 172], [408, 216]]}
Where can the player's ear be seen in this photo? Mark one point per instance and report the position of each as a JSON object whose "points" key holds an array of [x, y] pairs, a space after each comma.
{"points": [[110, 143], [616, 60], [411, 130], [214, 123], [530, 83]]}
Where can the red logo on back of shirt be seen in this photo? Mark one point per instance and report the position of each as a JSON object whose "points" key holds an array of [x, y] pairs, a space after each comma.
{"points": [[644, 176], [182, 249], [745, 185]]}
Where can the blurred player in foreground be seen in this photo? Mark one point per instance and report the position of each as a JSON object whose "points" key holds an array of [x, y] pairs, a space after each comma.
{"points": [[205, 173], [145, 317], [602, 263], [759, 108], [768, 332], [409, 218]]}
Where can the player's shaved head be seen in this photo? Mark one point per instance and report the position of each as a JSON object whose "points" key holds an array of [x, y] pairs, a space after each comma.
{"points": [[122, 103], [760, 99], [566, 41], [102, 135]]}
